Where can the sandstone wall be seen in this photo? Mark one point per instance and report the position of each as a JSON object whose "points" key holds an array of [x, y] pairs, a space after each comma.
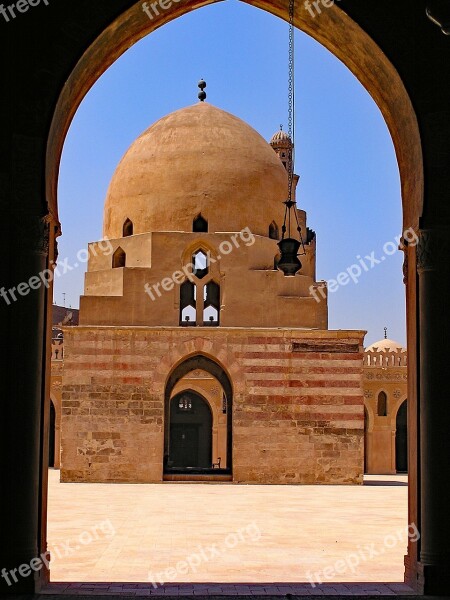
{"points": [[298, 413]]}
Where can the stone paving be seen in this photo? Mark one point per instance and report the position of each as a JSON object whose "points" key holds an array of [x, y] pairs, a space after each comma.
{"points": [[200, 539], [210, 590]]}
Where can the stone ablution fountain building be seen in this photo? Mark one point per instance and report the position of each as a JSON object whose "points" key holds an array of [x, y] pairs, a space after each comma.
{"points": [[195, 357]]}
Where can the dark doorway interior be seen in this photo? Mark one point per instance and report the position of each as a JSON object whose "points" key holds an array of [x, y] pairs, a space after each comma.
{"points": [[401, 439], [172, 418], [190, 435], [51, 443]]}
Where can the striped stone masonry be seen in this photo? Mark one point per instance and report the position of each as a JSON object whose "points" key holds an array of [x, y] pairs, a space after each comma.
{"points": [[297, 409]]}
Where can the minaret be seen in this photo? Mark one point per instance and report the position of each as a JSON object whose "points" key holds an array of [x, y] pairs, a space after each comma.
{"points": [[282, 144]]}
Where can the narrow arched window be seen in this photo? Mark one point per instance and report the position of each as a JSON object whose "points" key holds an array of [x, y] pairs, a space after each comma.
{"points": [[382, 404], [119, 258], [273, 231], [188, 304], [200, 225], [200, 262], [127, 228], [211, 307]]}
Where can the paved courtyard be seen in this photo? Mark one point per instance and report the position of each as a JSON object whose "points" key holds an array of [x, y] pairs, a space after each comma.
{"points": [[182, 532]]}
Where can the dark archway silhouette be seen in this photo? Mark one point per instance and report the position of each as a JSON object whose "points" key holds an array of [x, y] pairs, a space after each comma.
{"points": [[116, 36]]}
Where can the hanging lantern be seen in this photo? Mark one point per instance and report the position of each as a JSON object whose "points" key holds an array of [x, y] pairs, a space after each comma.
{"points": [[289, 262]]}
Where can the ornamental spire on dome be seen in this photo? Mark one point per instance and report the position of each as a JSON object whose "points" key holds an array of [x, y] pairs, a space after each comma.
{"points": [[202, 93]]}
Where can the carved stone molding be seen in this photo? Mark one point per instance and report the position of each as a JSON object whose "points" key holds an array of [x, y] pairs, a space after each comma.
{"points": [[35, 231], [433, 244], [384, 375], [405, 266]]}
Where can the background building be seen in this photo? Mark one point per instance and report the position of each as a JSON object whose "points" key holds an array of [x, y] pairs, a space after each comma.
{"points": [[61, 317], [385, 404]]}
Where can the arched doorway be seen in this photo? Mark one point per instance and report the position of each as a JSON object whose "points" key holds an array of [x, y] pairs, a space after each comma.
{"points": [[189, 420], [190, 433], [401, 439], [366, 441], [52, 435]]}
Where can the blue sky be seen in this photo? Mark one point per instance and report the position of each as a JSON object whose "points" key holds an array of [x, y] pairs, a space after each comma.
{"points": [[349, 184]]}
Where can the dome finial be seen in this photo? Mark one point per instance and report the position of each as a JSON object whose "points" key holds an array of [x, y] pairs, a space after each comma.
{"points": [[385, 333], [202, 93]]}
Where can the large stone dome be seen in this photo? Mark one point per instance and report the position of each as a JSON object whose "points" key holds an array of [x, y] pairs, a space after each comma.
{"points": [[199, 159]]}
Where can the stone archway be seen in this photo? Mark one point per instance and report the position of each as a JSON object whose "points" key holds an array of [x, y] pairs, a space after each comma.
{"points": [[198, 362], [337, 32]]}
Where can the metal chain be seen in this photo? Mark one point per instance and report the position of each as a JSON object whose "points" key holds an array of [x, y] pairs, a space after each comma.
{"points": [[291, 94], [290, 204]]}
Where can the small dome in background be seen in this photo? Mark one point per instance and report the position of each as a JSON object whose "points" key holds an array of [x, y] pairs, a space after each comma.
{"points": [[386, 345]]}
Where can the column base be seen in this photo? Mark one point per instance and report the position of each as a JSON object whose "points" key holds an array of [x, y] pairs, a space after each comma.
{"points": [[433, 580], [18, 577]]}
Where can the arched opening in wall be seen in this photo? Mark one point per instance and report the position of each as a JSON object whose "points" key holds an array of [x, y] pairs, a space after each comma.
{"points": [[52, 436], [191, 417], [201, 264], [366, 439], [211, 303], [119, 259], [127, 228], [188, 304], [382, 406], [315, 28], [200, 225], [401, 439], [274, 233]]}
